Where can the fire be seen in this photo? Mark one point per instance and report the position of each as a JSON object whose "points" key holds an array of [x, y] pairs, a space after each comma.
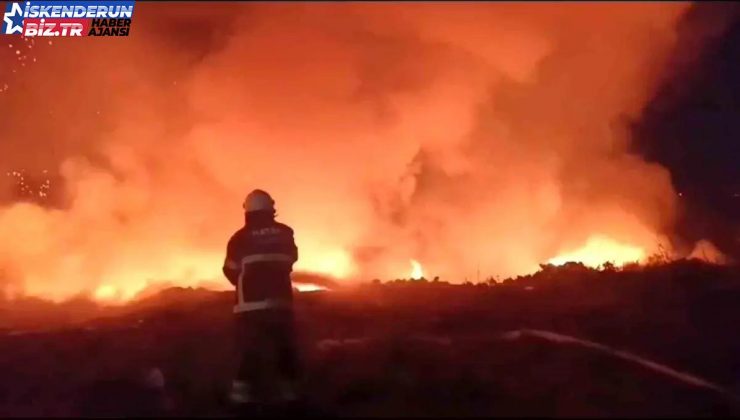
{"points": [[309, 287], [336, 263], [112, 295], [124, 292], [204, 271], [476, 162], [109, 294], [416, 270], [599, 250], [105, 293]]}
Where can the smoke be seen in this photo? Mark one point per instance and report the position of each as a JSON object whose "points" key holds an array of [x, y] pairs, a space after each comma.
{"points": [[480, 138]]}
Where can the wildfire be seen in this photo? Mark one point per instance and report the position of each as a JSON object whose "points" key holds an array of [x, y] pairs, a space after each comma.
{"points": [[416, 270], [477, 162], [599, 250], [110, 294], [309, 287], [105, 293], [336, 263]]}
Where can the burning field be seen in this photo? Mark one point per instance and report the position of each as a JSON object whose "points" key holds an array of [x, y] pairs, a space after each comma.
{"points": [[475, 141], [461, 143]]}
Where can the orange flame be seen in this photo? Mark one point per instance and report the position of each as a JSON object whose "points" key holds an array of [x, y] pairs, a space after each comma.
{"points": [[599, 250], [416, 271], [449, 127], [309, 287]]}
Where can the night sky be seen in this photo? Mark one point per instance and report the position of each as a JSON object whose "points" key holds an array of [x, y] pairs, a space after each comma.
{"points": [[692, 127]]}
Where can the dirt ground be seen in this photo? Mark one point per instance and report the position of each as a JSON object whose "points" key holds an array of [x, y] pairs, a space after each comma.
{"points": [[413, 348]]}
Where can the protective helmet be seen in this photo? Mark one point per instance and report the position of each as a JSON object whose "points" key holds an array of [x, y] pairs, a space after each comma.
{"points": [[258, 200]]}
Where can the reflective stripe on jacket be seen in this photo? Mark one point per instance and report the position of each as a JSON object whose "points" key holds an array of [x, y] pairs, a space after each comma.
{"points": [[259, 260]]}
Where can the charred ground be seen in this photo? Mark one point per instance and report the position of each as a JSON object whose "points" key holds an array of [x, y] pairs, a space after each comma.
{"points": [[420, 348]]}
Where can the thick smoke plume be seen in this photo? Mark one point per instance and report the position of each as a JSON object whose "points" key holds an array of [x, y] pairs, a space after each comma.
{"points": [[478, 139]]}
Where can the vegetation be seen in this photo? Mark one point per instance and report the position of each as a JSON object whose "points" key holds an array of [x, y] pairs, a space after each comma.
{"points": [[408, 347]]}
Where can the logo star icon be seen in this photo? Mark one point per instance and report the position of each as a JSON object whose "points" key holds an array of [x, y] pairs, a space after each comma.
{"points": [[13, 19]]}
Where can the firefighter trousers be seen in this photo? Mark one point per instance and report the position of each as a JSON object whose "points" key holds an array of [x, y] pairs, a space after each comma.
{"points": [[269, 356]]}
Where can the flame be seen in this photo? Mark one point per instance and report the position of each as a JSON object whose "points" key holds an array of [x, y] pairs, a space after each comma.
{"points": [[309, 287], [599, 250], [476, 161], [204, 270], [109, 294], [335, 263], [105, 292], [416, 270]]}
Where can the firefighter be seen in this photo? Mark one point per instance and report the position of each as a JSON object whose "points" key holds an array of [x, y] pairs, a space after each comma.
{"points": [[259, 260]]}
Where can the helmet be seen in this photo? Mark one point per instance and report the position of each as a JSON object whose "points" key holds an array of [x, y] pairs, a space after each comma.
{"points": [[258, 200]]}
